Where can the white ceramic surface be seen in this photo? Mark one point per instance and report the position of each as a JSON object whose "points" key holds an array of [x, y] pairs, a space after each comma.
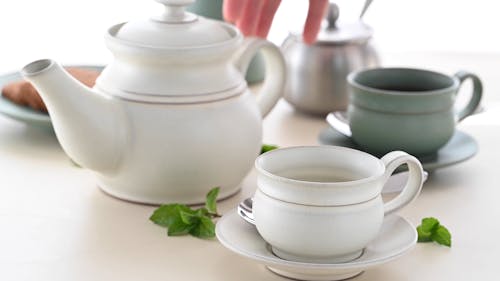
{"points": [[162, 113], [334, 191], [396, 237]]}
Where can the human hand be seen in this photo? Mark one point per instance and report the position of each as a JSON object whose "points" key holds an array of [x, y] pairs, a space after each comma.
{"points": [[254, 17]]}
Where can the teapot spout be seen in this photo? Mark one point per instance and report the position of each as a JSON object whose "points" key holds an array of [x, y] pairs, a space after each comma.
{"points": [[88, 124]]}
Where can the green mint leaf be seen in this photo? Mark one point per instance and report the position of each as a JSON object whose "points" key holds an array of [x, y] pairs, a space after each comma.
{"points": [[178, 228], [165, 215], [429, 224], [442, 236], [184, 208], [189, 218], [431, 230], [267, 147], [423, 236], [202, 212], [204, 229], [181, 219], [426, 228], [211, 202]]}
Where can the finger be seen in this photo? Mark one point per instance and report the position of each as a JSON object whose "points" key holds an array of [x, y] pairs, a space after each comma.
{"points": [[250, 17], [267, 13], [317, 9], [232, 10]]}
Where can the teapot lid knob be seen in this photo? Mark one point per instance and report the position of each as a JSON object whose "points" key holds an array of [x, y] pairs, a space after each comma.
{"points": [[332, 15], [175, 11]]}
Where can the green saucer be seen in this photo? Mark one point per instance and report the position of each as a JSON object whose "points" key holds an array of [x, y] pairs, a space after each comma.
{"points": [[461, 147]]}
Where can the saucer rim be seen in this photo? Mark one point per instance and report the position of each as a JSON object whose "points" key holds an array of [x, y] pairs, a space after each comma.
{"points": [[352, 265], [22, 113]]}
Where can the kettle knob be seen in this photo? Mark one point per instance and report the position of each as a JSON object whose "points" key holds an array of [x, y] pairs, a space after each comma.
{"points": [[175, 11], [333, 15]]}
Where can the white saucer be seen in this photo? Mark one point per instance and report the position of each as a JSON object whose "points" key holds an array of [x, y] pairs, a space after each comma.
{"points": [[396, 237]]}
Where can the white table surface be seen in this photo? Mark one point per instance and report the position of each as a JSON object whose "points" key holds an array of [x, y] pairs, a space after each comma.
{"points": [[55, 224]]}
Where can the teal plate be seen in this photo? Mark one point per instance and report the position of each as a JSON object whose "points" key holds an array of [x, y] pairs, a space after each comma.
{"points": [[25, 114], [459, 148]]}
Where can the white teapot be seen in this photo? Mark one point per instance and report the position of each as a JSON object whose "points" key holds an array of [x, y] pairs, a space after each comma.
{"points": [[171, 117]]}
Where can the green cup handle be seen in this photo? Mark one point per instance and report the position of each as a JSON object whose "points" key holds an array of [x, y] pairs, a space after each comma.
{"points": [[477, 93]]}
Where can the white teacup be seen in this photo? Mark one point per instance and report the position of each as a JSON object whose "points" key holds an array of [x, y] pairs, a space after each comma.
{"points": [[323, 204]]}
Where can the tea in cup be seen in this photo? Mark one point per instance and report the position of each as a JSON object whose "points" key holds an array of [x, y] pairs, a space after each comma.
{"points": [[406, 109], [323, 204]]}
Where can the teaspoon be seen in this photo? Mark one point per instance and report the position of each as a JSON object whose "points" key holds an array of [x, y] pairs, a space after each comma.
{"points": [[365, 8]]}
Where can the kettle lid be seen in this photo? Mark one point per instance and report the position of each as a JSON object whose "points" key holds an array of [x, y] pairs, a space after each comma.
{"points": [[174, 28], [342, 33]]}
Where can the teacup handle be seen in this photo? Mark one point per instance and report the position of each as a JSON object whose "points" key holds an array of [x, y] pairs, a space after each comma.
{"points": [[477, 93], [392, 161], [272, 89]]}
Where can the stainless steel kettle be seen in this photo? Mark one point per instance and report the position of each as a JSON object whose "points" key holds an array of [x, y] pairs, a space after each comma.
{"points": [[316, 82]]}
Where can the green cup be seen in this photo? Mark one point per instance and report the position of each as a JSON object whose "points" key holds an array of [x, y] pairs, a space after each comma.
{"points": [[213, 9], [412, 110]]}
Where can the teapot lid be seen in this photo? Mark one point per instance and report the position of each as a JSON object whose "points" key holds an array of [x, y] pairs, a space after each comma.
{"points": [[174, 28], [340, 33]]}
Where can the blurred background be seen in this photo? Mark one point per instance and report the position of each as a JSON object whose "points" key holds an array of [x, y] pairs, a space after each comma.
{"points": [[72, 31], [408, 26]]}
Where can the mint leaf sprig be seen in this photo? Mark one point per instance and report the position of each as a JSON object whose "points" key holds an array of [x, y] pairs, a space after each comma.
{"points": [[180, 219], [267, 147], [431, 230]]}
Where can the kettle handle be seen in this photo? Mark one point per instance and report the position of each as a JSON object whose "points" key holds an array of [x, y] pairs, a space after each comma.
{"points": [[272, 89]]}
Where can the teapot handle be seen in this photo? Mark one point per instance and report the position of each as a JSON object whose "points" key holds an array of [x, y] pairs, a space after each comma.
{"points": [[274, 82]]}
